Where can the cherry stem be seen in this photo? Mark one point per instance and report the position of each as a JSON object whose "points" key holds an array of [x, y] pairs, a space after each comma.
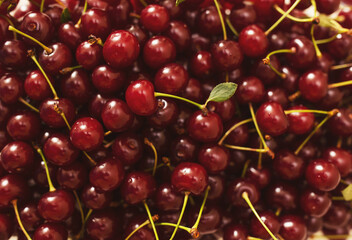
{"points": [[185, 200], [109, 144], [246, 198], [194, 229], [282, 17], [47, 49], [89, 158], [63, 116], [344, 182], [83, 11], [81, 212], [233, 128], [338, 198], [317, 50], [88, 215], [135, 15], [331, 113], [158, 94], [107, 133], [248, 149], [95, 40], [245, 167], [272, 155], [266, 60], [151, 145], [143, 2], [151, 220], [294, 96], [69, 69], [327, 40], [51, 186], [218, 8], [20, 99], [340, 84], [278, 211], [295, 19], [31, 54], [11, 23], [306, 111], [155, 218], [253, 238], [187, 229], [232, 28], [260, 156], [15, 208], [342, 66], [332, 237], [42, 6]]}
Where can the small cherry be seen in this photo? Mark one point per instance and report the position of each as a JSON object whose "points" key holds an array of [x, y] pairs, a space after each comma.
{"points": [[293, 227], [16, 157], [158, 51], [128, 148], [155, 18], [314, 202], [253, 41], [51, 230], [116, 115]]}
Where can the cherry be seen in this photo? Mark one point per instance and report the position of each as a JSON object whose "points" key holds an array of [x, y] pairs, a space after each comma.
{"points": [[165, 114], [108, 80], [272, 119], [59, 150], [239, 186], [128, 148], [24, 126], [30, 216], [89, 55], [158, 51], [341, 158], [87, 134], [341, 123], [95, 22], [167, 199], [346, 20], [171, 79], [269, 219], [264, 72], [142, 233], [314, 202], [337, 216], [120, 49], [137, 187], [104, 224], [189, 177], [282, 195], [242, 15], [56, 205], [16, 157], [180, 34], [201, 64], [6, 226], [94, 199], [304, 55], [13, 53], [193, 91], [38, 25], [328, 6], [51, 230], [322, 175], [253, 41], [205, 127], [11, 88], [155, 18], [209, 221], [5, 34], [107, 175], [293, 227], [36, 86], [12, 186], [39, 174], [55, 15], [72, 176], [235, 232], [140, 97], [313, 85], [288, 166], [250, 89], [184, 149], [69, 35], [49, 115], [116, 115], [227, 55], [314, 224], [59, 58], [338, 47], [300, 122], [208, 21], [214, 158], [217, 187], [119, 14]]}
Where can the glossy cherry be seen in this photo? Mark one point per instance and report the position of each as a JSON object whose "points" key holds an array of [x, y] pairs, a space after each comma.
{"points": [[250, 89], [51, 230], [313, 85], [269, 219], [49, 115], [94, 199], [24, 126], [227, 55], [341, 158], [11, 88], [89, 55], [158, 51], [293, 227], [288, 166], [237, 187], [95, 22], [300, 122], [36, 86], [155, 18], [116, 115], [171, 79], [314, 202], [17, 157], [72, 176], [253, 41], [108, 80], [214, 158]]}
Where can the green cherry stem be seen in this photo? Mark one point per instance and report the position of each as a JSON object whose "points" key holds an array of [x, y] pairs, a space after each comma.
{"points": [[246, 198], [28, 104], [331, 237], [271, 154], [340, 84], [151, 219], [15, 208], [187, 229], [151, 145], [155, 218], [47, 49], [81, 213], [31, 54], [326, 40], [266, 60], [218, 8], [331, 114], [185, 200], [69, 69], [227, 133], [283, 16], [342, 66], [158, 94], [260, 157], [306, 111], [295, 19], [253, 238], [83, 11], [51, 186], [232, 28], [248, 149], [41, 9], [194, 229], [317, 50], [245, 167]]}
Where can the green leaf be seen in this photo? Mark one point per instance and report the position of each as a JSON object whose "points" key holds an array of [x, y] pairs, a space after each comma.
{"points": [[179, 1], [65, 16], [347, 193], [222, 92]]}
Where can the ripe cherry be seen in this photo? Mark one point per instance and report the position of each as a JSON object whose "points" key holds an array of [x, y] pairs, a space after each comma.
{"points": [[171, 78], [253, 41], [11, 88], [214, 158], [158, 51], [12, 186], [89, 55], [116, 115], [94, 199], [250, 89], [108, 80], [73, 176], [314, 202], [304, 55], [51, 230], [49, 115], [155, 18], [16, 157], [59, 58], [95, 22], [288, 166], [36, 86], [235, 232], [300, 122], [167, 199], [104, 224], [227, 55], [270, 220], [313, 85], [24, 126], [38, 25], [293, 227], [128, 148], [237, 187]]}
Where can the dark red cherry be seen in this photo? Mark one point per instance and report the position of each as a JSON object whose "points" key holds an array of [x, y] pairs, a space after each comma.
{"points": [[304, 55], [140, 97], [209, 221], [314, 224], [5, 113], [217, 187], [108, 80], [341, 123], [339, 47], [69, 35], [270, 220], [128, 148], [39, 173], [95, 22], [13, 53], [54, 12], [313, 85], [94, 199], [189, 177], [242, 15], [87, 134], [272, 119], [155, 18], [16, 157], [261, 176], [180, 34], [171, 78], [51, 117], [137, 187], [59, 150], [165, 114], [89, 55], [205, 127], [24, 126], [36, 86], [29, 216], [107, 175], [144, 233], [184, 149], [120, 49], [193, 90], [341, 158], [11, 88], [300, 122], [6, 226], [283, 195], [293, 227], [314, 202], [250, 89], [138, 32], [337, 216], [225, 109], [226, 54], [116, 115], [201, 64], [104, 224], [119, 14], [158, 51], [235, 232], [277, 94], [237, 187], [72, 176], [214, 158], [38, 25], [56, 206], [59, 58], [328, 6], [167, 199], [288, 166], [52, 231], [322, 175], [5, 34], [253, 41], [208, 21], [12, 186], [264, 72]]}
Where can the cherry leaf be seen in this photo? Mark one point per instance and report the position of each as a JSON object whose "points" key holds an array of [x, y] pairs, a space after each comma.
{"points": [[222, 92], [65, 16], [347, 193]]}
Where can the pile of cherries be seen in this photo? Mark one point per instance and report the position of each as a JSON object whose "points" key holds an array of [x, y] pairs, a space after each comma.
{"points": [[165, 119]]}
